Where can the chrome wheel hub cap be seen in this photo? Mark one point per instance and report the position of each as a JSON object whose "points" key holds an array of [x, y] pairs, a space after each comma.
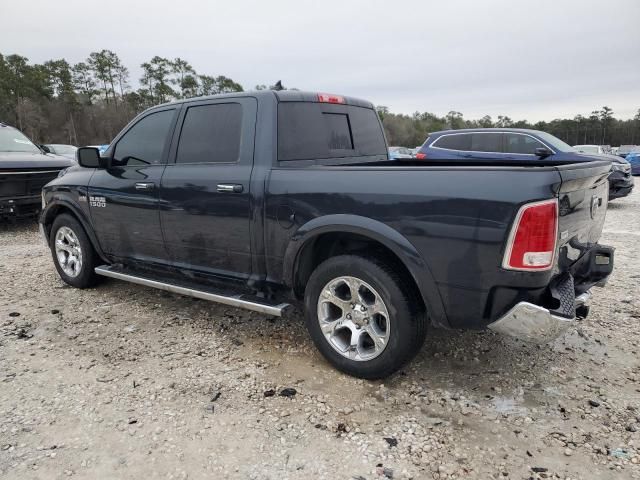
{"points": [[68, 251], [353, 318]]}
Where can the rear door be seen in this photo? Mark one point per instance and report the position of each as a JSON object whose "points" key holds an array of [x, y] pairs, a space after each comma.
{"points": [[205, 193], [124, 198]]}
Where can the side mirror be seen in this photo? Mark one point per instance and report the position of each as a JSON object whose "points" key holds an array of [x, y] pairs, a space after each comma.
{"points": [[45, 149], [543, 152], [88, 157]]}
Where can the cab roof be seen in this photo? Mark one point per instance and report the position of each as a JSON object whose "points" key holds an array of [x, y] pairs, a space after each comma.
{"points": [[284, 96]]}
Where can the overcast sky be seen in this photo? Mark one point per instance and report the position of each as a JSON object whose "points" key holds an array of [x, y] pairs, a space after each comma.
{"points": [[529, 60]]}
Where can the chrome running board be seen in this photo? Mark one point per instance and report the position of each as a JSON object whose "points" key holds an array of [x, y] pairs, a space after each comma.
{"points": [[231, 300]]}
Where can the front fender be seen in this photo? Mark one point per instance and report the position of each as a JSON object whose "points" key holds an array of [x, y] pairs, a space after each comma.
{"points": [[58, 203], [376, 231]]}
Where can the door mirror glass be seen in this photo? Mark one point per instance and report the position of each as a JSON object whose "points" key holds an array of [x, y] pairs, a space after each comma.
{"points": [[543, 152], [88, 157]]}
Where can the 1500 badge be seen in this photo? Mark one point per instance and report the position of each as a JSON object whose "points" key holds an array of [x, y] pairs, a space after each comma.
{"points": [[97, 201]]}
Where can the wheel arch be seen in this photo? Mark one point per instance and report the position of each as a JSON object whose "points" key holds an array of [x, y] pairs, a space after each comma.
{"points": [[324, 237], [57, 207]]}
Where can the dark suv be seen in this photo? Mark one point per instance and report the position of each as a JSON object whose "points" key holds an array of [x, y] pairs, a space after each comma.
{"points": [[511, 144], [24, 169]]}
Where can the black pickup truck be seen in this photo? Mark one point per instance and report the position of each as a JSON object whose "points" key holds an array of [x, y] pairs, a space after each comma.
{"points": [[261, 199]]}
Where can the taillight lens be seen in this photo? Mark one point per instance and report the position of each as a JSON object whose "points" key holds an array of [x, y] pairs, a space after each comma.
{"points": [[532, 241], [421, 156], [328, 98]]}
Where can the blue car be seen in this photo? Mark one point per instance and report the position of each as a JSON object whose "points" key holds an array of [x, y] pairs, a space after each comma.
{"points": [[515, 144], [634, 159]]}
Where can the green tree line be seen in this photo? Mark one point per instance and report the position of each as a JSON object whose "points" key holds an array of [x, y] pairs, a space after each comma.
{"points": [[90, 101]]}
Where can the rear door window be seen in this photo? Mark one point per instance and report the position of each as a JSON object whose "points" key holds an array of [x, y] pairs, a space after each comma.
{"points": [[486, 142], [522, 144], [314, 131], [211, 134]]}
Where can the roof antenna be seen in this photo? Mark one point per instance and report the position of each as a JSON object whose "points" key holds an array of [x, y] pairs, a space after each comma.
{"points": [[278, 86]]}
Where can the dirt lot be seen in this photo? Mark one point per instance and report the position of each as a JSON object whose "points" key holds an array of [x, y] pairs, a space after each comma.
{"points": [[124, 381]]}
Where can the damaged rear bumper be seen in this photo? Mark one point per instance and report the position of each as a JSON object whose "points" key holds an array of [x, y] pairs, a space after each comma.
{"points": [[534, 323], [566, 300]]}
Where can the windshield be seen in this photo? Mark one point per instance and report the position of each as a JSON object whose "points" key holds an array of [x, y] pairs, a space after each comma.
{"points": [[555, 142], [587, 148], [63, 149], [12, 140]]}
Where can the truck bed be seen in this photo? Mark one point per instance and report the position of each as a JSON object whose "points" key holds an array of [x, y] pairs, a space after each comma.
{"points": [[457, 217]]}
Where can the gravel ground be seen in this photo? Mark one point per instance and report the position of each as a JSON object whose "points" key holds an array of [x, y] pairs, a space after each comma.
{"points": [[123, 381]]}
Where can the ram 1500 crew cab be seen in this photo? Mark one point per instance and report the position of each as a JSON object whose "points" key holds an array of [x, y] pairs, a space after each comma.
{"points": [[260, 199]]}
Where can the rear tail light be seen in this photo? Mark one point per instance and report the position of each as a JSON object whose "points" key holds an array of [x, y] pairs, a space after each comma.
{"points": [[328, 98], [421, 156], [533, 237]]}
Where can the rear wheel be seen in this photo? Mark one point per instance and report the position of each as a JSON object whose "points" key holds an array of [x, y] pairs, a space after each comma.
{"points": [[73, 254], [362, 316]]}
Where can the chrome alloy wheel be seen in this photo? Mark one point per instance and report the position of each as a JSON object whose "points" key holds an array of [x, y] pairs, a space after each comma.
{"points": [[68, 251], [353, 318]]}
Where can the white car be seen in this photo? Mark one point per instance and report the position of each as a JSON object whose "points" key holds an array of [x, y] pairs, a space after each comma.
{"points": [[599, 149]]}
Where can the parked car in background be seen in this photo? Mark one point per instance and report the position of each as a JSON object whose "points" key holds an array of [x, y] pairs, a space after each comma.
{"points": [[68, 151], [634, 160], [599, 149], [509, 144], [624, 150], [263, 198], [400, 153], [24, 170]]}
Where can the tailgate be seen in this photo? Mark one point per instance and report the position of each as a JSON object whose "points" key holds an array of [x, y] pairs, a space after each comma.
{"points": [[582, 201]]}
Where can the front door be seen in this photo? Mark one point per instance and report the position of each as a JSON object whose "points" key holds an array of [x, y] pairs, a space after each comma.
{"points": [[205, 194], [124, 198]]}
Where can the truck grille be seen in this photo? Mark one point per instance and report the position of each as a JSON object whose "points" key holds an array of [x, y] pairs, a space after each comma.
{"points": [[20, 183]]}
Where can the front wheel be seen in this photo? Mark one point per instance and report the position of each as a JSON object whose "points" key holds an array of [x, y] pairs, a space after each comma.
{"points": [[362, 316], [73, 255]]}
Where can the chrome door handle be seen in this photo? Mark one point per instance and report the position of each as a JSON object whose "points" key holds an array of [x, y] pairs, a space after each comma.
{"points": [[145, 186], [230, 188]]}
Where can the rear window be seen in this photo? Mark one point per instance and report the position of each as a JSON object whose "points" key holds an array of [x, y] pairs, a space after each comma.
{"points": [[309, 131]]}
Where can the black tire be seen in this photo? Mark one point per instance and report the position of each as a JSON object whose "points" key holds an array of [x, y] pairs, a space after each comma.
{"points": [[407, 322], [86, 276]]}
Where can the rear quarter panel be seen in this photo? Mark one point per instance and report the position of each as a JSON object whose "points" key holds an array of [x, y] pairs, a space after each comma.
{"points": [[457, 219]]}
